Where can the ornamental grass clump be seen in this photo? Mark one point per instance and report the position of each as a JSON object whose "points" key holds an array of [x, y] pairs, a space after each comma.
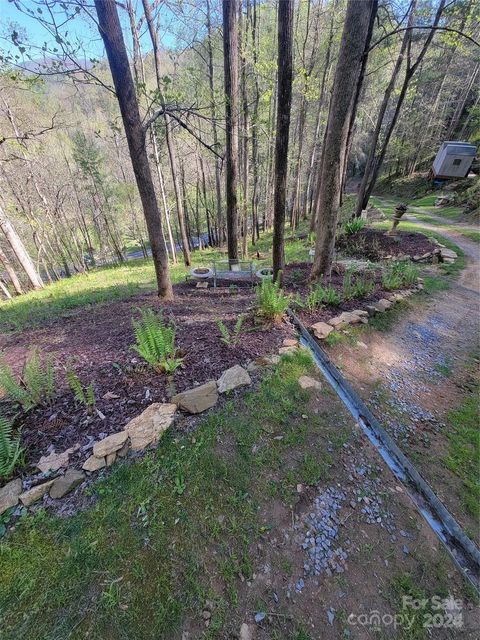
{"points": [[155, 341]]}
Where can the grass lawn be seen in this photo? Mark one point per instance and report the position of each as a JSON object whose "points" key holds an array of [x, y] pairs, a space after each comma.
{"points": [[157, 529], [114, 283], [463, 456]]}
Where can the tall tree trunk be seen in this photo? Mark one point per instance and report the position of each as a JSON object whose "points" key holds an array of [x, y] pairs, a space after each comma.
{"points": [[111, 32], [245, 130], [352, 49], [255, 222], [409, 73], [168, 132], [11, 272], [213, 111], [381, 115], [230, 54], [19, 250], [284, 102], [4, 290]]}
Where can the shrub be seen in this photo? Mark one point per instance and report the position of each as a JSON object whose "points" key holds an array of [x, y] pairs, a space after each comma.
{"points": [[271, 301], [231, 338], [84, 396], [10, 450], [156, 341], [36, 385], [352, 227]]}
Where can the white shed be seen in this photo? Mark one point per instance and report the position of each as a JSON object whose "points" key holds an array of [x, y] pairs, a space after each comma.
{"points": [[454, 160]]}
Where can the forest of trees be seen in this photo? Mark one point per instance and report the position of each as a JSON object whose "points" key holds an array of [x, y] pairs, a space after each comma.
{"points": [[208, 122]]}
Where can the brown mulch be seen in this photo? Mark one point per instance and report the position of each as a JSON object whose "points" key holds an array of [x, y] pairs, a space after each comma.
{"points": [[297, 282], [96, 343], [373, 244]]}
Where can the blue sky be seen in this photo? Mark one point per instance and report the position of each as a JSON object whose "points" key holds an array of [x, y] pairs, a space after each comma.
{"points": [[80, 29]]}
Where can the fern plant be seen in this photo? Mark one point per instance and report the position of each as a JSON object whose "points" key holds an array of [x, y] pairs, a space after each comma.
{"points": [[231, 338], [10, 450], [156, 341], [36, 385], [83, 396], [271, 301]]}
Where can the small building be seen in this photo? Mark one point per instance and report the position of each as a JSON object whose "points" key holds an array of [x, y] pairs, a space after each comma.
{"points": [[454, 160]]}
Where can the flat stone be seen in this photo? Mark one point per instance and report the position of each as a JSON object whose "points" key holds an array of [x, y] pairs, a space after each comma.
{"points": [[93, 464], [321, 330], [286, 350], [54, 461], [110, 444], [232, 378], [309, 383], [9, 494], [290, 342], [121, 453], [148, 427], [110, 459], [382, 305], [245, 632], [201, 285], [198, 399], [346, 318], [35, 493], [448, 253], [361, 313], [64, 484], [265, 361]]}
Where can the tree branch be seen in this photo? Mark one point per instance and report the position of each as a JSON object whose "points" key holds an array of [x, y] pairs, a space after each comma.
{"points": [[432, 28]]}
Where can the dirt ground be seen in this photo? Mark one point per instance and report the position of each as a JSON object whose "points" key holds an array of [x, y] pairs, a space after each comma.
{"points": [[416, 373], [96, 343], [397, 548]]}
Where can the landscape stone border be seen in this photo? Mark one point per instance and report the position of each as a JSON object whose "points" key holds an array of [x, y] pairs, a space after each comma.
{"points": [[141, 432]]}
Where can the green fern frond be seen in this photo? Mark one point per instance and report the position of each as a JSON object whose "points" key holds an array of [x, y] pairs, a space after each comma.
{"points": [[155, 341], [10, 449]]}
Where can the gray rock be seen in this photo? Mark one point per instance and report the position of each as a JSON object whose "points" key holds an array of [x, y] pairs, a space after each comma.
{"points": [[64, 484], [245, 632], [35, 493], [198, 399], [234, 377], [309, 383], [9, 494], [54, 461]]}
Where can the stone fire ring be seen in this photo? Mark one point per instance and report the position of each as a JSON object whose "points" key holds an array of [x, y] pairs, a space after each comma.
{"points": [[201, 272]]}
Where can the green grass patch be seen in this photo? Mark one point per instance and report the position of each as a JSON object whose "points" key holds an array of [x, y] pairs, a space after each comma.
{"points": [[463, 456], [166, 532]]}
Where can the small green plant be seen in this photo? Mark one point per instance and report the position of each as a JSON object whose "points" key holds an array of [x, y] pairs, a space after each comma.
{"points": [[347, 284], [352, 227], [271, 301], [10, 450], [313, 300], [329, 295], [362, 287], [36, 385], [231, 338], [85, 396], [399, 274], [156, 341]]}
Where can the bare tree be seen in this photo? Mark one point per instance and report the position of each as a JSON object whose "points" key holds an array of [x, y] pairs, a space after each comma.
{"points": [[111, 32], [20, 251], [284, 102], [345, 88]]}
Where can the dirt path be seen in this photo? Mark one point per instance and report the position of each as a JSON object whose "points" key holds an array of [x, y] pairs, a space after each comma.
{"points": [[415, 374]]}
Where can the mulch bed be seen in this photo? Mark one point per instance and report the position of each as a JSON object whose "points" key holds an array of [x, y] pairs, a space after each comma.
{"points": [[373, 244], [296, 281], [96, 343]]}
